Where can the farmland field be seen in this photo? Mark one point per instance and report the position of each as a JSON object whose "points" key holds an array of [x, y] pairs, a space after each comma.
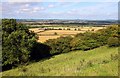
{"points": [[96, 62], [50, 34], [44, 38]]}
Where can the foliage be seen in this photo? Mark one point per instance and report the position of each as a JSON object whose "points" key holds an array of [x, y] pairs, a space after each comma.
{"points": [[60, 45], [17, 42], [113, 42], [19, 45], [85, 41]]}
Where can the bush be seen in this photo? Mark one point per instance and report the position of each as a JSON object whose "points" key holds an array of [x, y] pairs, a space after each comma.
{"points": [[55, 33], [85, 41], [92, 30], [79, 29], [68, 28], [59, 45], [76, 43], [113, 42]]}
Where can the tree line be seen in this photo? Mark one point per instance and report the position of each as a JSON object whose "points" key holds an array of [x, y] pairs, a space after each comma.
{"points": [[86, 41]]}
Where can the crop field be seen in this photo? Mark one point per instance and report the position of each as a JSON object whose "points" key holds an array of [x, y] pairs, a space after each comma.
{"points": [[56, 32], [97, 62], [36, 30], [44, 38], [60, 32]]}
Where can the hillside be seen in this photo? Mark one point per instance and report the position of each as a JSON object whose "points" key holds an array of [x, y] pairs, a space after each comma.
{"points": [[97, 62]]}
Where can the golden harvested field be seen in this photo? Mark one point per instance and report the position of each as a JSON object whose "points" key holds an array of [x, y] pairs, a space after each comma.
{"points": [[44, 38], [53, 34], [36, 30], [60, 32]]}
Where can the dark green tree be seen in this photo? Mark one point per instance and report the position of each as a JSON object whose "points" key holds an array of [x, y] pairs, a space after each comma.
{"points": [[17, 42]]}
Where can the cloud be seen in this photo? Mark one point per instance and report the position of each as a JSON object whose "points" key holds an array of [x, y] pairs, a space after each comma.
{"points": [[27, 5], [21, 7], [23, 0], [60, 10], [36, 9], [28, 10], [60, 0], [51, 6]]}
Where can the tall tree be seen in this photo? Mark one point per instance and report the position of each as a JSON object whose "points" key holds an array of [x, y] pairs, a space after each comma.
{"points": [[17, 42]]}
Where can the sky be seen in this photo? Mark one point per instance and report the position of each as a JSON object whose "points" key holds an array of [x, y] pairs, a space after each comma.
{"points": [[60, 10]]}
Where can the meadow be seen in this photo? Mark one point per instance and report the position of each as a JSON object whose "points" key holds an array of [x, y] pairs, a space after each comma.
{"points": [[101, 61]]}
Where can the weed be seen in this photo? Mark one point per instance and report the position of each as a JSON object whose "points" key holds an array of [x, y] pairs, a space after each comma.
{"points": [[90, 63], [105, 61], [114, 57]]}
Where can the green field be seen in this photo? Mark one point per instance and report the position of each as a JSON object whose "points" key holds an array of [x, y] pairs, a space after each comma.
{"points": [[97, 62]]}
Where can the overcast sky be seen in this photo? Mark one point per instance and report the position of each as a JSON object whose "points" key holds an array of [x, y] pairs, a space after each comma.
{"points": [[60, 10]]}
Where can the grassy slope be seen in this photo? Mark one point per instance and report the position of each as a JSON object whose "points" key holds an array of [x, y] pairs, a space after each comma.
{"points": [[95, 62]]}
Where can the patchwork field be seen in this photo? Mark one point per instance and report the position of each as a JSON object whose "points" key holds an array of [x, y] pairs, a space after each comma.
{"points": [[53, 34], [97, 62]]}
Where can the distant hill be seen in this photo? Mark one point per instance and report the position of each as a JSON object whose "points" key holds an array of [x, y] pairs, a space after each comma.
{"points": [[65, 21]]}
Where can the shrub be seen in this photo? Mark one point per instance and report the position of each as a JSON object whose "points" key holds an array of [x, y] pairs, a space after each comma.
{"points": [[85, 41], [75, 43], [68, 28], [105, 61], [79, 29], [60, 29], [92, 30], [59, 45], [113, 42], [55, 33]]}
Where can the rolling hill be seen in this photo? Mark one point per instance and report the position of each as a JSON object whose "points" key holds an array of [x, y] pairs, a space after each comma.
{"points": [[101, 61]]}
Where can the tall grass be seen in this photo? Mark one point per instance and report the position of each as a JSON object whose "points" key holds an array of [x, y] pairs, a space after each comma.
{"points": [[101, 61]]}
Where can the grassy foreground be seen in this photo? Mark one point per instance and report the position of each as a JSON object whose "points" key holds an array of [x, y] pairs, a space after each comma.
{"points": [[97, 62]]}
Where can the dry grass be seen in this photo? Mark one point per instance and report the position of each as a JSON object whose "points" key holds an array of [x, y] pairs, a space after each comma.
{"points": [[44, 38], [36, 30], [50, 34], [61, 32]]}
